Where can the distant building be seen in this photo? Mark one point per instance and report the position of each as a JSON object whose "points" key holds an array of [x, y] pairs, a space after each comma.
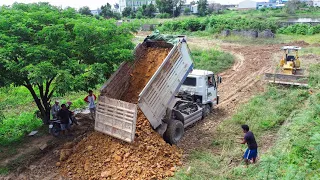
{"points": [[316, 3], [247, 4], [134, 4], [229, 6], [194, 9], [261, 5], [95, 12]]}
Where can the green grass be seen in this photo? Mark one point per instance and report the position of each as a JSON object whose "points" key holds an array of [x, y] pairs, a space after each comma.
{"points": [[212, 60], [4, 170], [17, 108], [264, 114], [290, 115], [310, 50]]}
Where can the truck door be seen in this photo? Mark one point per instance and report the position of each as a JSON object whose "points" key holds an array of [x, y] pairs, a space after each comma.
{"points": [[211, 89]]}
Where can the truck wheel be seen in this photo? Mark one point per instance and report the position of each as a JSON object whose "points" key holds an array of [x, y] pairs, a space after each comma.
{"points": [[206, 110], [174, 132]]}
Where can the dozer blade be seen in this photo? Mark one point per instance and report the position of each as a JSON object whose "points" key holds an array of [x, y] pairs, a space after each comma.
{"points": [[296, 80]]}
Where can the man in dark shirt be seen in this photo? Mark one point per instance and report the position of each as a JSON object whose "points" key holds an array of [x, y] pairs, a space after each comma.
{"points": [[252, 151], [64, 115]]}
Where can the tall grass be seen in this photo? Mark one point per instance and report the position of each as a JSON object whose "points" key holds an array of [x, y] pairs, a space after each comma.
{"points": [[264, 114], [212, 60]]}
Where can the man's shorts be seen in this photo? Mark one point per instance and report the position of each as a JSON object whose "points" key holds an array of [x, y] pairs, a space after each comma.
{"points": [[65, 126], [250, 153]]}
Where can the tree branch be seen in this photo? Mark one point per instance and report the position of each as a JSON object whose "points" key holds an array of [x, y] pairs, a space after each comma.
{"points": [[48, 83]]}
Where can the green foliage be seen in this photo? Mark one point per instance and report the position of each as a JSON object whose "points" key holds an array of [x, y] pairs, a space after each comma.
{"points": [[165, 6], [126, 12], [12, 129], [314, 76], [302, 29], [202, 7], [260, 115], [163, 15], [215, 24], [85, 11], [107, 12], [212, 60], [59, 50], [187, 11], [296, 152]]}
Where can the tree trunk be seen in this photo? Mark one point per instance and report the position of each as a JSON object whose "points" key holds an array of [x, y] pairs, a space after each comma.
{"points": [[42, 104]]}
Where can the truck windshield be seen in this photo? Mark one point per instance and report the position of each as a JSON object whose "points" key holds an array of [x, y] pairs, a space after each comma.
{"points": [[190, 81]]}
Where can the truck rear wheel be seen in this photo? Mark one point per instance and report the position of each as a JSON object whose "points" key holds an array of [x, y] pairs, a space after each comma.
{"points": [[174, 132]]}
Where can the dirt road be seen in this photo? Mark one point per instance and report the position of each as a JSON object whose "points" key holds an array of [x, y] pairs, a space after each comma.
{"points": [[240, 83]]}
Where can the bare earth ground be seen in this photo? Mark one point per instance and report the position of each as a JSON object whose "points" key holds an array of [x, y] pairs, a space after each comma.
{"points": [[239, 84]]}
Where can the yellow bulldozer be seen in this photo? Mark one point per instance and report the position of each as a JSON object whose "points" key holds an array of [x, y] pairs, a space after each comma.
{"points": [[289, 71]]}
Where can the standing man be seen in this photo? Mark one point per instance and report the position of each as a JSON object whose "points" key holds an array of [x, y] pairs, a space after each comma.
{"points": [[252, 150], [64, 115], [90, 100], [55, 109]]}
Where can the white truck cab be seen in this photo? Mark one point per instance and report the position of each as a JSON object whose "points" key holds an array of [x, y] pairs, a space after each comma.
{"points": [[202, 84]]}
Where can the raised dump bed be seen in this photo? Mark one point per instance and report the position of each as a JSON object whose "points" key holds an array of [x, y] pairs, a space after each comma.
{"points": [[117, 117]]}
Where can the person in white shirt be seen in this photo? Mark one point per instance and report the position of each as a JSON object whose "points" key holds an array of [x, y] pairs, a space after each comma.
{"points": [[55, 109], [90, 100]]}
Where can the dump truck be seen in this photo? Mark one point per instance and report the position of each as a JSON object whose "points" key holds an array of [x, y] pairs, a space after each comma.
{"points": [[175, 97], [289, 71]]}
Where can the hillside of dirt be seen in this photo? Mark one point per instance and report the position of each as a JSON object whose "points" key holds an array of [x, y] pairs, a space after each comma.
{"points": [[149, 157]]}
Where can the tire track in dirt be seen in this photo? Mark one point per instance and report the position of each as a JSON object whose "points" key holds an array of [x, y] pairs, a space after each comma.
{"points": [[239, 84]]}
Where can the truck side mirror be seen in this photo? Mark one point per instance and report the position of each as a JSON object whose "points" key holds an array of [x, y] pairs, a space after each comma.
{"points": [[219, 79]]}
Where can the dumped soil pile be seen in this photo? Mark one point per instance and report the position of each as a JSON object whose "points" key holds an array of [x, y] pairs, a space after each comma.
{"points": [[99, 156]]}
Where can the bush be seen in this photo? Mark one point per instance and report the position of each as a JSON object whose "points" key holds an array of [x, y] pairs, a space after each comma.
{"points": [[212, 60], [302, 29], [163, 16], [13, 129], [215, 24]]}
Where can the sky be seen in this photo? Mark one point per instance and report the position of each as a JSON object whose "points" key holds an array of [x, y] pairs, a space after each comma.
{"points": [[92, 4]]}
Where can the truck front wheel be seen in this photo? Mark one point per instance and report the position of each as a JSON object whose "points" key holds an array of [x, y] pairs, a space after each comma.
{"points": [[174, 132]]}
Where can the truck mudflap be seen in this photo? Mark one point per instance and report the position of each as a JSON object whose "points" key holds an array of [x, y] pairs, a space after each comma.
{"points": [[116, 118]]}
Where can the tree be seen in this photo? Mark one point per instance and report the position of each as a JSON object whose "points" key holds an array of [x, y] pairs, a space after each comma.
{"points": [[172, 7], [60, 52], [292, 6], [165, 6], [192, 3], [214, 7], [187, 11], [150, 10], [126, 12], [85, 11], [202, 7], [106, 12]]}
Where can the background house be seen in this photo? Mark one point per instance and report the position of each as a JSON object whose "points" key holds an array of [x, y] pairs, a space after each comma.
{"points": [[134, 4], [247, 4]]}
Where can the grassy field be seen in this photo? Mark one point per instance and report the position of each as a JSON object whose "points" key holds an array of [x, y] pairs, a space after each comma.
{"points": [[212, 60], [17, 108], [285, 122]]}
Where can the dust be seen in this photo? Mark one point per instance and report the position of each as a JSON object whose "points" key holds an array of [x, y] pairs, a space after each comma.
{"points": [[100, 156]]}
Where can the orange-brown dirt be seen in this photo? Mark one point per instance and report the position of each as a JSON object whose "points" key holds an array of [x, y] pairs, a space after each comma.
{"points": [[102, 157]]}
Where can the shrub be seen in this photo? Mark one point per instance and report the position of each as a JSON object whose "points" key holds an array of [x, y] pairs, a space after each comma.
{"points": [[163, 16]]}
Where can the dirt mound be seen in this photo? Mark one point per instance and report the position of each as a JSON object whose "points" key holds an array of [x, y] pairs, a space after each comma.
{"points": [[149, 157]]}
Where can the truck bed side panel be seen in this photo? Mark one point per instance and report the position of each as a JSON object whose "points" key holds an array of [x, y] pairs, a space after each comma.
{"points": [[164, 84]]}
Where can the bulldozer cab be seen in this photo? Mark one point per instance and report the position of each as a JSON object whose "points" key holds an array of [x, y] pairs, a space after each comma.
{"points": [[289, 71]]}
